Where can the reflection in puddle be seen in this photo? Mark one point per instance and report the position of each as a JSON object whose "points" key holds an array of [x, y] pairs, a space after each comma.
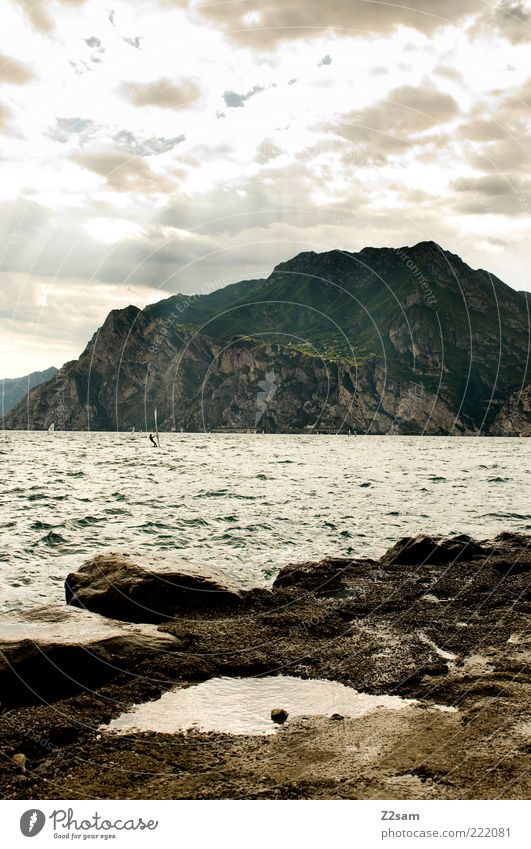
{"points": [[243, 705]]}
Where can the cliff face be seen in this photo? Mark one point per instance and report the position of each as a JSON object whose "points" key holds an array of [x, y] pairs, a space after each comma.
{"points": [[134, 364], [12, 390], [383, 341], [514, 418]]}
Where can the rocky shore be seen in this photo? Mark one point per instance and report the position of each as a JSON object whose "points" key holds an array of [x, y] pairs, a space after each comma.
{"points": [[439, 620]]}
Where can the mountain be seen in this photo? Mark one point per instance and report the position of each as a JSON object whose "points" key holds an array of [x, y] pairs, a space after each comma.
{"points": [[12, 390], [514, 418], [406, 340]]}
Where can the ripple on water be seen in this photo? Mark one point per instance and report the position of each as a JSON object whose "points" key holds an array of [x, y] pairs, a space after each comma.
{"points": [[53, 539]]}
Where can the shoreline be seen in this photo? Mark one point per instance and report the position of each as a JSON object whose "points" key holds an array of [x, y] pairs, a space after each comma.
{"points": [[252, 432], [384, 626]]}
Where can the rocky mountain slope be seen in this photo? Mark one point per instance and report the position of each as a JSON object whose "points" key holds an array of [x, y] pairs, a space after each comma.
{"points": [[12, 390], [410, 340], [515, 415]]}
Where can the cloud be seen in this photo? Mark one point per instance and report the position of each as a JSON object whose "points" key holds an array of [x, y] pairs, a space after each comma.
{"points": [[126, 173], [448, 72], [391, 125], [134, 42], [487, 185], [163, 93], [127, 140], [266, 151], [5, 117], [507, 156], [411, 109], [40, 17], [482, 129], [13, 71], [500, 126], [65, 128], [51, 321], [511, 18], [282, 193], [493, 194], [265, 23], [234, 100]]}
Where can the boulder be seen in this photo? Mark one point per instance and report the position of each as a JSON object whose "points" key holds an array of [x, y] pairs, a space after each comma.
{"points": [[52, 652], [424, 550], [154, 588], [323, 578], [509, 551]]}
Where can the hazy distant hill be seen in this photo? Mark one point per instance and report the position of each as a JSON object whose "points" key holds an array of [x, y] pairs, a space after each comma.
{"points": [[12, 390], [406, 340]]}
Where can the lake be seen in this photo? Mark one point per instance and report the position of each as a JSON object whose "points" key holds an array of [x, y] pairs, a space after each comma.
{"points": [[247, 503]]}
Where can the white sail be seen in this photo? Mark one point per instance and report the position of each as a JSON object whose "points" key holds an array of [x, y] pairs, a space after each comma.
{"points": [[156, 428], [51, 428]]}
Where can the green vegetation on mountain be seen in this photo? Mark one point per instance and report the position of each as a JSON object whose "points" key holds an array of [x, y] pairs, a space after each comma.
{"points": [[426, 313], [408, 341]]}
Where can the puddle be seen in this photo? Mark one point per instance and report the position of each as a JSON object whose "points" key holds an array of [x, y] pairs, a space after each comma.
{"points": [[243, 705]]}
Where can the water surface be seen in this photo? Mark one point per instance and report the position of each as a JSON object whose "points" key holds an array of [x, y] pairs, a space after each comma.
{"points": [[246, 503], [244, 705]]}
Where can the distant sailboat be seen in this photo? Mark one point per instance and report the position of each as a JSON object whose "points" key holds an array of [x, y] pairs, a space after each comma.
{"points": [[133, 429], [51, 429], [156, 428]]}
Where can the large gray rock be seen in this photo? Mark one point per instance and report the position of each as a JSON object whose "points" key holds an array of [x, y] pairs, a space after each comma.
{"points": [[152, 588], [426, 550], [50, 652]]}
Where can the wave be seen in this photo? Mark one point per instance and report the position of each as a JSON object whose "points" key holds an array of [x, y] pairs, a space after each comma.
{"points": [[53, 539]]}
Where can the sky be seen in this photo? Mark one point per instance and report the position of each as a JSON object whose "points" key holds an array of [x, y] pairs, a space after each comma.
{"points": [[177, 146]]}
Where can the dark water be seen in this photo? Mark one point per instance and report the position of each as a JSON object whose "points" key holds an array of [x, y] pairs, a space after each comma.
{"points": [[247, 503]]}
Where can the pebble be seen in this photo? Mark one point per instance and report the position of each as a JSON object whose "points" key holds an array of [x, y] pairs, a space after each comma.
{"points": [[279, 715]]}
